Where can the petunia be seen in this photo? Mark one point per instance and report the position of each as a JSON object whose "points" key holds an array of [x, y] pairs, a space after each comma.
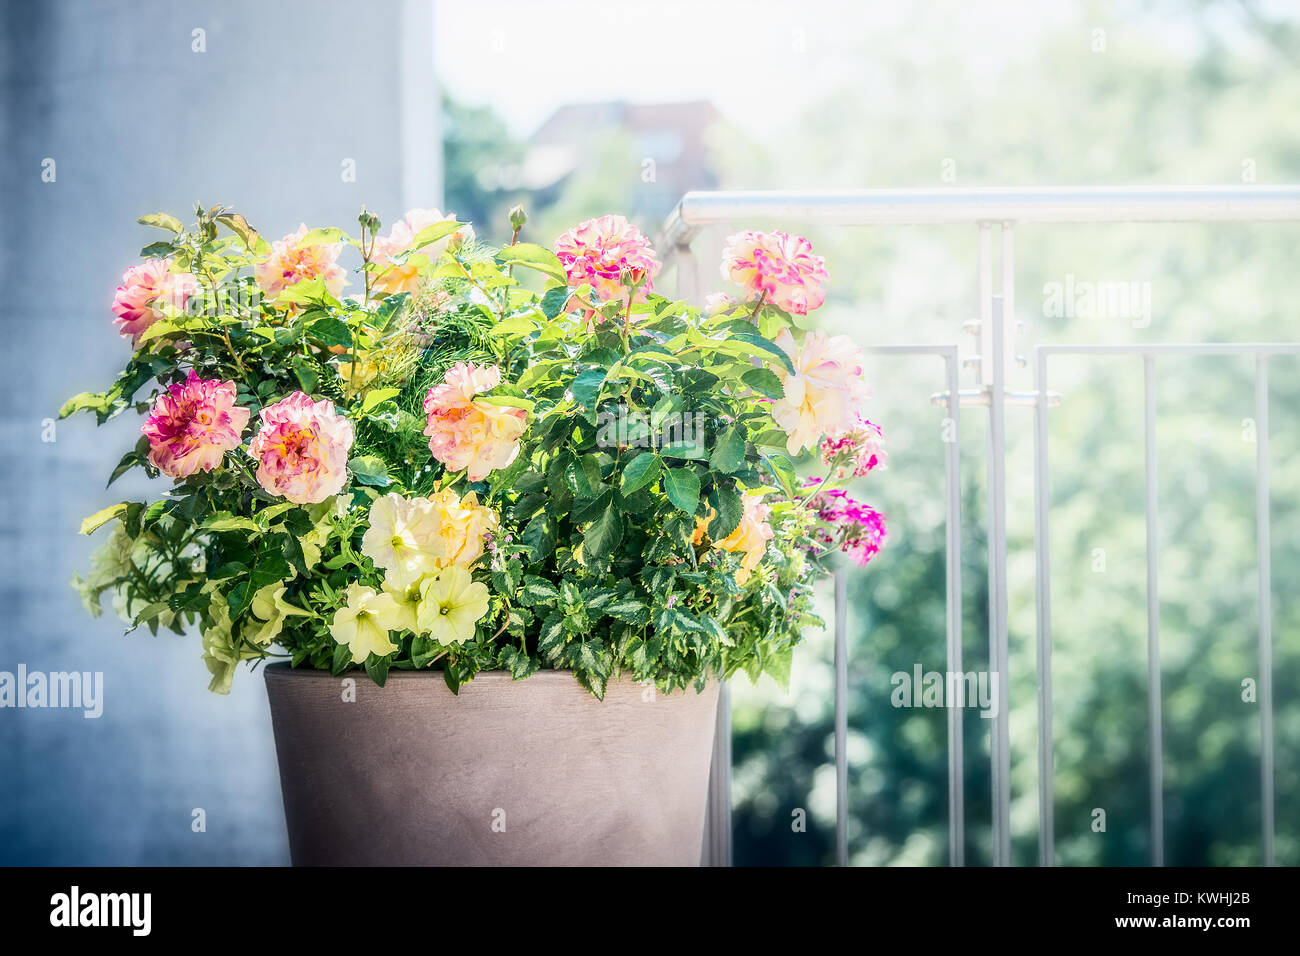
{"points": [[360, 624], [451, 604], [404, 537]]}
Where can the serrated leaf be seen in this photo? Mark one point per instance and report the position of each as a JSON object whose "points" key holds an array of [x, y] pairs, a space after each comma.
{"points": [[329, 331], [730, 509], [683, 488], [538, 591], [729, 454], [630, 611], [763, 345], [306, 372], [640, 471], [586, 386], [539, 538], [765, 382], [603, 535]]}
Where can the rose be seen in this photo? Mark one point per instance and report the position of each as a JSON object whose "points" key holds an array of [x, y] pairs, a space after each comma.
{"points": [[465, 433], [823, 393], [292, 261], [192, 425], [143, 289], [778, 267], [302, 449]]}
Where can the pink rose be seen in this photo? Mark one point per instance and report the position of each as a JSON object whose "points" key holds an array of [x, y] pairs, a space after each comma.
{"points": [[192, 425], [291, 262], [143, 289], [393, 278], [468, 433], [607, 253], [302, 449], [777, 266]]}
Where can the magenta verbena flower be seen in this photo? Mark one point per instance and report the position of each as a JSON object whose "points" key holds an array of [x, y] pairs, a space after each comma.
{"points": [[859, 528], [862, 447]]}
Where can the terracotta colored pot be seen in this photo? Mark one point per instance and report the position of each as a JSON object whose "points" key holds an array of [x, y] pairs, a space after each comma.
{"points": [[533, 772]]}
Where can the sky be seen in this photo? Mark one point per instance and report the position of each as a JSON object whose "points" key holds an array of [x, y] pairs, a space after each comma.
{"points": [[757, 61]]}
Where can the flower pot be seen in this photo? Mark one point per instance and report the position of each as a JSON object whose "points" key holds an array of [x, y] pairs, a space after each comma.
{"points": [[531, 772]]}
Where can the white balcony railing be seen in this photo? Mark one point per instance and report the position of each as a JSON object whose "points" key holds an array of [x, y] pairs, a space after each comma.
{"points": [[1003, 209]]}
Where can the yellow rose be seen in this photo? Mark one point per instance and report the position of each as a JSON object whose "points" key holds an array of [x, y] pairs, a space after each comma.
{"points": [[464, 525]]}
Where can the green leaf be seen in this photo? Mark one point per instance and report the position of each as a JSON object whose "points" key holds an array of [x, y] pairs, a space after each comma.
{"points": [[431, 234], [92, 400], [306, 372], [227, 522], [683, 488], [370, 470], [730, 509], [375, 396], [765, 382], [539, 538], [325, 235], [586, 386], [763, 345], [630, 611], [162, 220], [533, 256], [640, 471], [729, 454], [554, 300], [103, 517], [329, 331], [583, 476], [603, 535], [342, 659], [240, 227], [538, 591], [377, 667]]}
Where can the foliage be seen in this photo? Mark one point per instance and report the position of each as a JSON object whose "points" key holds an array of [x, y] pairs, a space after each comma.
{"points": [[649, 440]]}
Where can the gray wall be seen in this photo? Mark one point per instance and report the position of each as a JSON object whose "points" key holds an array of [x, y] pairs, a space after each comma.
{"points": [[137, 122]]}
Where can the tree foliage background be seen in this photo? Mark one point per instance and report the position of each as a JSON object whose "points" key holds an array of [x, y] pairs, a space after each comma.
{"points": [[1118, 94]]}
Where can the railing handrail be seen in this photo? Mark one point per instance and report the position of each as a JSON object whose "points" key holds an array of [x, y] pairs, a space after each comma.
{"points": [[953, 206]]}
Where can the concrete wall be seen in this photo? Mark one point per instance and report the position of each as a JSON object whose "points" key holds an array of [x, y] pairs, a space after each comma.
{"points": [[137, 121]]}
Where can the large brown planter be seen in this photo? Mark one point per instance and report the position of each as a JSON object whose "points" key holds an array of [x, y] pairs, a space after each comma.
{"points": [[531, 772]]}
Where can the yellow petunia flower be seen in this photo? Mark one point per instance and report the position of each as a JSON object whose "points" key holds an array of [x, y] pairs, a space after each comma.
{"points": [[360, 625], [451, 604]]}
